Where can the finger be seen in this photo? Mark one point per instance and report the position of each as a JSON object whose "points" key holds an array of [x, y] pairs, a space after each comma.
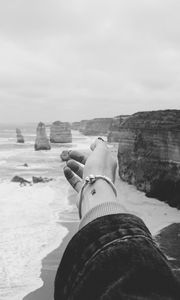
{"points": [[72, 179], [78, 156], [99, 142], [75, 167]]}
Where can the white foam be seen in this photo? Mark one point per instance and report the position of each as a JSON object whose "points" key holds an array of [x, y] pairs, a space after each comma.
{"points": [[29, 231]]}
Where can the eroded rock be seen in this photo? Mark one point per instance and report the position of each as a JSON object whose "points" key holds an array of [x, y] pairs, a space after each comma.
{"points": [[21, 180], [60, 132], [149, 154], [20, 138], [41, 179], [42, 141], [98, 126], [64, 155], [113, 133]]}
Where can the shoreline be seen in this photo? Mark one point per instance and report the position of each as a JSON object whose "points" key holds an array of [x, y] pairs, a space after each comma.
{"points": [[166, 237], [51, 262], [49, 266]]}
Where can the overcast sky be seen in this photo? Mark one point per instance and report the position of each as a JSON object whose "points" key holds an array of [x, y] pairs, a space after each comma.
{"points": [[72, 60]]}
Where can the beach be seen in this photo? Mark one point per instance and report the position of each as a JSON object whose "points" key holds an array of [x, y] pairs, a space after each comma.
{"points": [[168, 241], [49, 267], [51, 262], [157, 215], [38, 220]]}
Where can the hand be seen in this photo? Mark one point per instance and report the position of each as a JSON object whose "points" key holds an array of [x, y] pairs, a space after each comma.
{"points": [[99, 162]]}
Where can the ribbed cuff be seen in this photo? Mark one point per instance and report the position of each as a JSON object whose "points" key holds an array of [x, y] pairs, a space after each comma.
{"points": [[103, 209]]}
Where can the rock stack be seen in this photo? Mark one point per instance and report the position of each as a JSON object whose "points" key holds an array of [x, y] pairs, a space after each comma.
{"points": [[60, 132], [42, 141], [149, 154], [20, 138]]}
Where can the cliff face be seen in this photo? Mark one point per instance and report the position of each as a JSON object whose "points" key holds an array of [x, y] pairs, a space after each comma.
{"points": [[60, 132], [42, 142], [113, 133], [98, 126], [20, 138], [75, 125], [149, 154]]}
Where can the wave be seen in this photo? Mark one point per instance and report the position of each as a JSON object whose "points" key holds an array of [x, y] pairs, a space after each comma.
{"points": [[29, 231]]}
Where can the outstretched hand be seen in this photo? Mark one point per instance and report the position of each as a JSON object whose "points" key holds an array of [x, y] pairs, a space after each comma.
{"points": [[99, 162]]}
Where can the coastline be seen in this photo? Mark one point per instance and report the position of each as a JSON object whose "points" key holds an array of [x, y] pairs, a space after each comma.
{"points": [[51, 262], [49, 267], [166, 233]]}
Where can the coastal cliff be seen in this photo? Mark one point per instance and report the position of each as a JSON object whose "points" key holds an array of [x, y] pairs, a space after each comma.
{"points": [[60, 132], [79, 125], [113, 133], [42, 141], [19, 136], [149, 154], [98, 126]]}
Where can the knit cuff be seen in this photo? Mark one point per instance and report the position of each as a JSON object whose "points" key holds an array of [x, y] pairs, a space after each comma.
{"points": [[103, 209]]}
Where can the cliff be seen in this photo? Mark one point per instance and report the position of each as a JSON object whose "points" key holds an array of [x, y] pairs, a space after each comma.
{"points": [[113, 133], [60, 132], [75, 125], [79, 125], [149, 154], [20, 138], [42, 141], [98, 126]]}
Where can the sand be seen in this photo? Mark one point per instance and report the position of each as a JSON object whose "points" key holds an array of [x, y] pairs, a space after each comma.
{"points": [[49, 267], [156, 214], [168, 240]]}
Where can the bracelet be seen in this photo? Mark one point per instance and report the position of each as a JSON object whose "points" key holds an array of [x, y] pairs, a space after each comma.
{"points": [[90, 180]]}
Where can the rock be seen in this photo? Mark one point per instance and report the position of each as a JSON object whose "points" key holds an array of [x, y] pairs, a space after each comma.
{"points": [[82, 125], [113, 133], [75, 125], [42, 142], [98, 126], [20, 138], [60, 132], [169, 242], [21, 180], [64, 155], [149, 154], [25, 165], [41, 179]]}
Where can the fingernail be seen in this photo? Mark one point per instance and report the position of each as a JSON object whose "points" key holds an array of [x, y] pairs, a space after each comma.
{"points": [[100, 138]]}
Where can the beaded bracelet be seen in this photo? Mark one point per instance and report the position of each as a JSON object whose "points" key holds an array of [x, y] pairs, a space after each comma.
{"points": [[90, 180]]}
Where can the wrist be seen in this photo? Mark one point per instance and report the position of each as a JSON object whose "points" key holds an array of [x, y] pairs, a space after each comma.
{"points": [[98, 187], [96, 190]]}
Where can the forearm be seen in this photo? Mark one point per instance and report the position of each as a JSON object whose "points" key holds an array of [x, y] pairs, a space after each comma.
{"points": [[95, 194], [99, 200]]}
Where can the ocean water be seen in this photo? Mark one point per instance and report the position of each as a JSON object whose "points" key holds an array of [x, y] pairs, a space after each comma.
{"points": [[30, 216]]}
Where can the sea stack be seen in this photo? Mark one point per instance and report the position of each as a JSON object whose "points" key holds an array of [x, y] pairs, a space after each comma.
{"points": [[20, 138], [42, 141], [60, 132], [149, 154]]}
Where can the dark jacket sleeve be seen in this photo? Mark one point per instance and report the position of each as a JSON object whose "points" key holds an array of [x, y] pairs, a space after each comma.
{"points": [[114, 257]]}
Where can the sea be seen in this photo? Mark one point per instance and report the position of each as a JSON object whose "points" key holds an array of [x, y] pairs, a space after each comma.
{"points": [[32, 216]]}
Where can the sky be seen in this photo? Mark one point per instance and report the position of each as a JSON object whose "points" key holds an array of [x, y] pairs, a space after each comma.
{"points": [[70, 60]]}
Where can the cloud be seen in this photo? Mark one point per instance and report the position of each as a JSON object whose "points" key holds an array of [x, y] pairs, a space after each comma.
{"points": [[79, 59]]}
